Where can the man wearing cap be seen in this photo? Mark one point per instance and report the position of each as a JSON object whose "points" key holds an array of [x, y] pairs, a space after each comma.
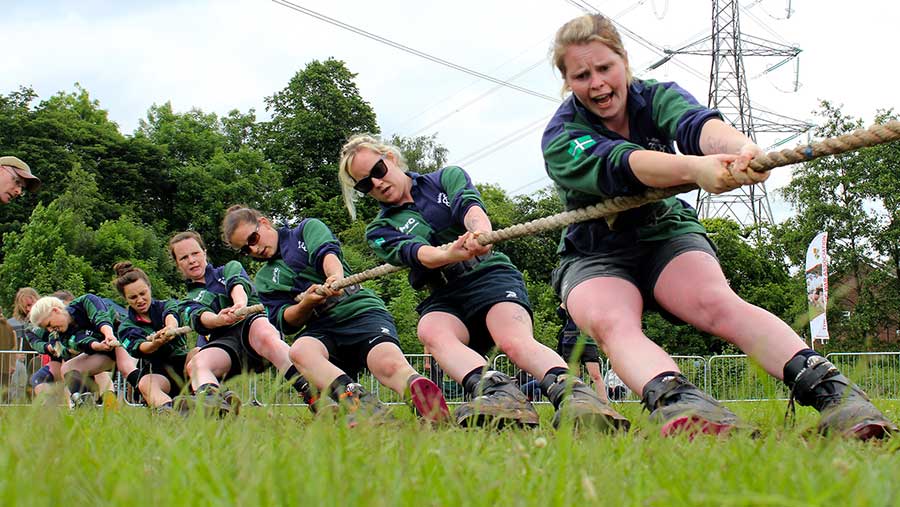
{"points": [[15, 177]]}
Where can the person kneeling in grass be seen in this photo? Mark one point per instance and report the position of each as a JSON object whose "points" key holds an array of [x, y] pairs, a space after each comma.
{"points": [[86, 324], [143, 334], [234, 343], [340, 332]]}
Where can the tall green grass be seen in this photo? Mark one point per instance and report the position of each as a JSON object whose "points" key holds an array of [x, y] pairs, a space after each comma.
{"points": [[281, 456]]}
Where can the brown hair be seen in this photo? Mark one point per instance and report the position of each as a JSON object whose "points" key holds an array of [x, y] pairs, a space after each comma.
{"points": [[64, 296], [19, 302], [182, 236], [235, 216], [127, 274], [583, 30]]}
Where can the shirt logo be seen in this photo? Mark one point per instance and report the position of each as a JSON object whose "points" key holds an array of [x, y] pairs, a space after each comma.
{"points": [[379, 241], [302, 246], [200, 295], [442, 199], [577, 146], [512, 294], [408, 227], [275, 274], [385, 331]]}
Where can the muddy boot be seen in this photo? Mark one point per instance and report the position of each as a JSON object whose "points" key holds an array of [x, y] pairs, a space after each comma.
{"points": [[216, 402], [683, 408], [497, 402], [846, 410], [580, 404], [361, 405]]}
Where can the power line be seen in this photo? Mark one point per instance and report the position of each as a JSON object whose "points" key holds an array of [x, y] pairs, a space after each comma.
{"points": [[476, 99], [667, 55], [443, 101], [502, 142], [511, 78], [416, 52]]}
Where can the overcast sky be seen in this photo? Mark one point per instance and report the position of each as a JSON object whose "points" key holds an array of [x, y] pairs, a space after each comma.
{"points": [[225, 54]]}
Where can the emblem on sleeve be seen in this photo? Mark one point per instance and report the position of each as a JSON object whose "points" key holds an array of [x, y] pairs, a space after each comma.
{"points": [[577, 146]]}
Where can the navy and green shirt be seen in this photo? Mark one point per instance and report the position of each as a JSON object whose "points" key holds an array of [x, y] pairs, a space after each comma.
{"points": [[134, 330], [590, 163], [435, 217], [39, 338], [89, 313], [299, 263], [214, 294]]}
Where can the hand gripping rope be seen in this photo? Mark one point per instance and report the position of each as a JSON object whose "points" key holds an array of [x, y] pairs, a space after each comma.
{"points": [[863, 138], [240, 312]]}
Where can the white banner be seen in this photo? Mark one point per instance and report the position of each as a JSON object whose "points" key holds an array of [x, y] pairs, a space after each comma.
{"points": [[817, 286]]}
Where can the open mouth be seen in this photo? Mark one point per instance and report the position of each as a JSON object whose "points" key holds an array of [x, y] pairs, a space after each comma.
{"points": [[602, 100]]}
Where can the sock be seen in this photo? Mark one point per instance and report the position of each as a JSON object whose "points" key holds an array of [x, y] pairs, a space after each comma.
{"points": [[207, 388], [133, 378], [470, 380], [74, 381], [339, 386], [555, 395], [797, 364]]}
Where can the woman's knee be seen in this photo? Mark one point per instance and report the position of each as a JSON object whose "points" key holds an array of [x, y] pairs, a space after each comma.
{"points": [[386, 360]]}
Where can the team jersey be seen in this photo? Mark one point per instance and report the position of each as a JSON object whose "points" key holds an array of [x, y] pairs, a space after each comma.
{"points": [[590, 163], [435, 217], [298, 264], [89, 313], [133, 331], [213, 294]]}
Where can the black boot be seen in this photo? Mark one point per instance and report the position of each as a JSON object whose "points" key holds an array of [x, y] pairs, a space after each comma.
{"points": [[681, 407], [496, 401], [574, 400], [845, 408]]}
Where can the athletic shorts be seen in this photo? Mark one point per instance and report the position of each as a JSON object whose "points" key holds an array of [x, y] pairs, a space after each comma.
{"points": [[640, 264], [172, 368], [469, 298], [349, 342], [589, 353], [235, 340]]}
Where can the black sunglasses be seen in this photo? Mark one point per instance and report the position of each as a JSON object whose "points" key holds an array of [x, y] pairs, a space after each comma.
{"points": [[252, 240], [365, 185]]}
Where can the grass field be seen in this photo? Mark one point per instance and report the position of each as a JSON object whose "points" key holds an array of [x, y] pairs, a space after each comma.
{"points": [[280, 456]]}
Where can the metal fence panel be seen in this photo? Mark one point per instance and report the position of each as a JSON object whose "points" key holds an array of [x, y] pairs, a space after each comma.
{"points": [[737, 378], [16, 368], [877, 373]]}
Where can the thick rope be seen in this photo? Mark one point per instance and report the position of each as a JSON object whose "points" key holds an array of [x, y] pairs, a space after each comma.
{"points": [[240, 312], [862, 138]]}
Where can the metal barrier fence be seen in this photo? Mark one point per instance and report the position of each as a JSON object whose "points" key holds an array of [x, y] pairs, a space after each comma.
{"points": [[15, 369], [724, 377], [878, 373]]}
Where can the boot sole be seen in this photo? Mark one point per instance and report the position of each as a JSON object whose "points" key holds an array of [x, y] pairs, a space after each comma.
{"points": [[693, 425], [499, 420], [429, 400], [869, 430], [601, 422]]}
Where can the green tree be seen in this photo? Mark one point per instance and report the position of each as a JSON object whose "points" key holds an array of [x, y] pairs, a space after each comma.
{"points": [[849, 196], [311, 118]]}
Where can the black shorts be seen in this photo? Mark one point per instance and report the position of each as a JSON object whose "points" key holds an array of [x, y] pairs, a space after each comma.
{"points": [[172, 368], [640, 264], [471, 297], [589, 353], [349, 342], [235, 340]]}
